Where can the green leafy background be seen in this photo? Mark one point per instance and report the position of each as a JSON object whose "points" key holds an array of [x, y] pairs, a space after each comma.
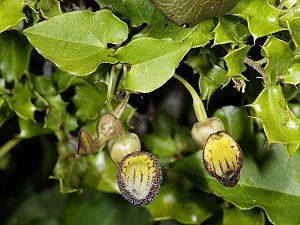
{"points": [[55, 60]]}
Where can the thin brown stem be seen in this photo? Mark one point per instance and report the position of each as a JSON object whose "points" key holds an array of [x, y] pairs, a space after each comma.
{"points": [[256, 66]]}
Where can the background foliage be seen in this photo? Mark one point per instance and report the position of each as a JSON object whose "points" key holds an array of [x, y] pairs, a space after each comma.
{"points": [[54, 77]]}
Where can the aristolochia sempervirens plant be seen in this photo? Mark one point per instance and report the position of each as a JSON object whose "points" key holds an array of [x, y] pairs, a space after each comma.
{"points": [[222, 156], [139, 174]]}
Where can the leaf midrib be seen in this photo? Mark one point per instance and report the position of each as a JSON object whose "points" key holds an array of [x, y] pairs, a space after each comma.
{"points": [[161, 56], [57, 39]]}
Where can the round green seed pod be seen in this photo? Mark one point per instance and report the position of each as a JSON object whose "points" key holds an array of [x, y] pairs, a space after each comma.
{"points": [[123, 145], [108, 127], [188, 13], [202, 130]]}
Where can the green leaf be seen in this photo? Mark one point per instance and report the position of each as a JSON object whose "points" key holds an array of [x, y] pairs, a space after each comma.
{"points": [[5, 112], [49, 8], [89, 100], [235, 62], [28, 129], [56, 112], [172, 202], [262, 18], [289, 3], [291, 20], [116, 6], [236, 121], [294, 28], [69, 169], [279, 123], [235, 216], [62, 80], [160, 145], [292, 148], [211, 80], [150, 71], [163, 123], [200, 62], [139, 11], [293, 75], [43, 85], [99, 208], [11, 12], [14, 55], [199, 35], [202, 34], [101, 175], [275, 50], [268, 180], [161, 28], [83, 44], [21, 104], [230, 30], [42, 208], [168, 139], [295, 108]]}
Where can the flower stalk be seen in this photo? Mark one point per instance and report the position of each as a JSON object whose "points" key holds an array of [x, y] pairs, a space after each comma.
{"points": [[197, 103]]}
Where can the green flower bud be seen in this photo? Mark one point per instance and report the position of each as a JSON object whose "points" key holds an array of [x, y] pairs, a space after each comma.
{"points": [[108, 128], [202, 130], [123, 145], [223, 158], [139, 177]]}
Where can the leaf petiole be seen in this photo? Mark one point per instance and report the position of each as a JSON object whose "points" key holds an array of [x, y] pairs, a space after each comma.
{"points": [[111, 88], [198, 105]]}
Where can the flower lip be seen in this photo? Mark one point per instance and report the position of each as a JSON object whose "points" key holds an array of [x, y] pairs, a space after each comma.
{"points": [[224, 165], [134, 187]]}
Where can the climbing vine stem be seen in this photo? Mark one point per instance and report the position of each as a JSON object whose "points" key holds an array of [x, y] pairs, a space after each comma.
{"points": [[198, 105], [113, 77], [121, 107]]}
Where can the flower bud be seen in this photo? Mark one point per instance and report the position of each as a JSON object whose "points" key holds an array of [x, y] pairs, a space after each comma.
{"points": [[123, 145], [202, 130], [108, 127], [139, 177], [223, 158], [85, 143]]}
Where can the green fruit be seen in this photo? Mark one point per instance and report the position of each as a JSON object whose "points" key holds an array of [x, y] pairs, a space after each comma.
{"points": [[189, 12], [202, 130], [123, 145]]}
